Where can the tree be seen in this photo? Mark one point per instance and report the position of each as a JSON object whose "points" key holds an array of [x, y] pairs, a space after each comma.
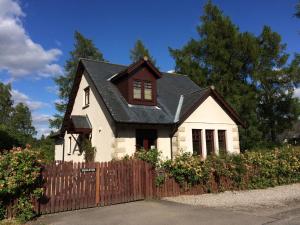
{"points": [[6, 103], [297, 7], [139, 51], [16, 127], [250, 72], [22, 121], [83, 48], [275, 81], [224, 57]]}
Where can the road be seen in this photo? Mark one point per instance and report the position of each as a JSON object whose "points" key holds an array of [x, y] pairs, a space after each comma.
{"points": [[168, 213]]}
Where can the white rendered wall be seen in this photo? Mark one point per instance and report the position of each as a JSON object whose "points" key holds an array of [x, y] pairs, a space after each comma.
{"points": [[209, 116], [102, 126]]}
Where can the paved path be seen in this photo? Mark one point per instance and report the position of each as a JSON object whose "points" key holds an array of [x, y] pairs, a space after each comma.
{"points": [[168, 213]]}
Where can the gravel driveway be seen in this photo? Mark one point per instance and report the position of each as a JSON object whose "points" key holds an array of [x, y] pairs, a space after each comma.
{"points": [[271, 197]]}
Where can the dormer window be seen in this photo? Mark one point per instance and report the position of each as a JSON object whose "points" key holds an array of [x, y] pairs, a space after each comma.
{"points": [[86, 96], [137, 89], [142, 91], [148, 91], [138, 83]]}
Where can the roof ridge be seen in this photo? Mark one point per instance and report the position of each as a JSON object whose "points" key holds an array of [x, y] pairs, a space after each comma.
{"points": [[203, 89], [102, 61]]}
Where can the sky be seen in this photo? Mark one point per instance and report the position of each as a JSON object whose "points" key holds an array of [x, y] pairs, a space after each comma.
{"points": [[37, 36]]}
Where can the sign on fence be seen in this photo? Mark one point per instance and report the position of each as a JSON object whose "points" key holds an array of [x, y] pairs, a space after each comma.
{"points": [[84, 170]]}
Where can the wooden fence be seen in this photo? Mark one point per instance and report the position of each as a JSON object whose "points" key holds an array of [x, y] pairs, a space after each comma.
{"points": [[71, 186]]}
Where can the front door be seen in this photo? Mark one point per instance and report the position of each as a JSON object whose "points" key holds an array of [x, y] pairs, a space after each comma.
{"points": [[145, 138]]}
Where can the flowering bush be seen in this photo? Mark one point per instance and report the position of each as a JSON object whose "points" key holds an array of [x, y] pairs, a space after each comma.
{"points": [[20, 180], [250, 170]]}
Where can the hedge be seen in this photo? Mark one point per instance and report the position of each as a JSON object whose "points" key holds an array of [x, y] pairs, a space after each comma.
{"points": [[250, 170]]}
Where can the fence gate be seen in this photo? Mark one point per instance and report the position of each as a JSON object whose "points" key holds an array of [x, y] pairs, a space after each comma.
{"points": [[70, 186]]}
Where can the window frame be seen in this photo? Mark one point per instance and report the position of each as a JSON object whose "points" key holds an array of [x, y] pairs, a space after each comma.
{"points": [[210, 137], [87, 94], [142, 99], [145, 83], [141, 89], [198, 133], [222, 140], [70, 146]]}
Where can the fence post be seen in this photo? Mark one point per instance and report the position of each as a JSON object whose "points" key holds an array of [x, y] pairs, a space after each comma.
{"points": [[97, 183]]}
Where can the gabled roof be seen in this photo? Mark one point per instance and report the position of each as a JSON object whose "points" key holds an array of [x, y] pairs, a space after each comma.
{"points": [[170, 88], [130, 69]]}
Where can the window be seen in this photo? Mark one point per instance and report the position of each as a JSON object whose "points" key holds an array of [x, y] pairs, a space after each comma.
{"points": [[209, 135], [137, 89], [197, 143], [70, 149], [222, 141], [148, 91], [86, 96]]}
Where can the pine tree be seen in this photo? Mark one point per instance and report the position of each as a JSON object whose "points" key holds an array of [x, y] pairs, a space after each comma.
{"points": [[223, 57], [297, 7], [139, 51], [6, 103], [83, 48], [16, 127], [275, 80]]}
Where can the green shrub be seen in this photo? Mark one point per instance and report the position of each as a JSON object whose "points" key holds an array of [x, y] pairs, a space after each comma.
{"points": [[89, 150], [20, 179], [151, 156], [255, 169], [2, 211]]}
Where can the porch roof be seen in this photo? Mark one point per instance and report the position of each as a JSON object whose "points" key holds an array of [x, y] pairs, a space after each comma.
{"points": [[79, 124]]}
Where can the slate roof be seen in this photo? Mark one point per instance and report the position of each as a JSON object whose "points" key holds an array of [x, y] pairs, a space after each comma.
{"points": [[169, 88]]}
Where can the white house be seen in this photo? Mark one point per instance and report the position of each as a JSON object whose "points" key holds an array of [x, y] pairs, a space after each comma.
{"points": [[124, 108]]}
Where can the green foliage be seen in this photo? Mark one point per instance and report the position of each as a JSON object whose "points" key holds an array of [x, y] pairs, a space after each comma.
{"points": [[250, 71], [6, 103], [255, 169], [297, 9], [140, 51], [2, 211], [45, 147], [88, 150], [16, 127], [20, 179], [83, 48], [151, 156]]}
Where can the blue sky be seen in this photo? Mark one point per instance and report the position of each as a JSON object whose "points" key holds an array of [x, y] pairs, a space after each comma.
{"points": [[37, 36]]}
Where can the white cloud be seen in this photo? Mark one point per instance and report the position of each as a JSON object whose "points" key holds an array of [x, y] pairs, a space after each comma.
{"points": [[297, 92], [19, 55], [41, 118], [41, 123], [52, 89], [20, 97]]}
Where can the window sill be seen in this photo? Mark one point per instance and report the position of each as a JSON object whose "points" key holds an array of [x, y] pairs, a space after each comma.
{"points": [[84, 107]]}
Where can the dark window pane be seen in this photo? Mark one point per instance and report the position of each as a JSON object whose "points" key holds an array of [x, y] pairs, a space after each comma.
{"points": [[87, 96], [222, 141], [209, 134], [197, 145]]}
